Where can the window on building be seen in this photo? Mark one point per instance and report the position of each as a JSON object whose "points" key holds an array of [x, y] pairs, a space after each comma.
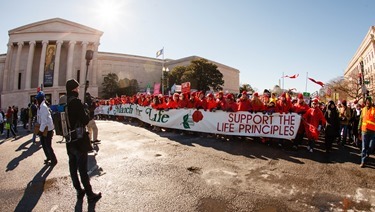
{"points": [[19, 80]]}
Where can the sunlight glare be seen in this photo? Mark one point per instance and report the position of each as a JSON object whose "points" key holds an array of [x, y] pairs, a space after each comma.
{"points": [[108, 12]]}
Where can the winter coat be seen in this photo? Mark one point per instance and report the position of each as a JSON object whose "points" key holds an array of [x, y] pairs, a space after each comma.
{"points": [[332, 128], [313, 117]]}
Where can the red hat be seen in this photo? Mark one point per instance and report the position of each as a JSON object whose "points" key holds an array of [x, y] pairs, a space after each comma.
{"points": [[230, 96], [210, 95], [244, 92], [283, 95], [300, 96], [256, 94], [315, 100], [176, 95]]}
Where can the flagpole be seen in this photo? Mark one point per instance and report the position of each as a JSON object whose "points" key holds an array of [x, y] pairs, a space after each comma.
{"points": [[162, 73], [307, 76], [283, 82]]}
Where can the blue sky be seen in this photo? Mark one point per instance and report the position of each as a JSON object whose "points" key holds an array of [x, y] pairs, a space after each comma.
{"points": [[261, 38]]}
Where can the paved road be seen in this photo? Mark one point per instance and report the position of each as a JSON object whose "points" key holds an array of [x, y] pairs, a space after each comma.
{"points": [[142, 170]]}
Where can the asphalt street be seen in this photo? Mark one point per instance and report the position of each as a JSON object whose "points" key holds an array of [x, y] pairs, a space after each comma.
{"points": [[138, 169]]}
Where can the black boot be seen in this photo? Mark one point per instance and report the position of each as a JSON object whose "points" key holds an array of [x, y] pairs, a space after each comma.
{"points": [[94, 197]]}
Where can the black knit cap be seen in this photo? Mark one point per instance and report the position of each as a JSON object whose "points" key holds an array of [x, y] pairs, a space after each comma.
{"points": [[71, 84]]}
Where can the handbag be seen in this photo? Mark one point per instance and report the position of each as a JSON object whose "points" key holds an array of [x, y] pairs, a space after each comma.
{"points": [[84, 144], [7, 126]]}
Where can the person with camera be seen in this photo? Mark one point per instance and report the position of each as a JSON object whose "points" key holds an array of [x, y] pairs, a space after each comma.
{"points": [[91, 126], [76, 148]]}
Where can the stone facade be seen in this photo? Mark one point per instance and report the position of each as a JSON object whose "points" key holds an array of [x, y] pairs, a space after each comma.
{"points": [[47, 53], [366, 54]]}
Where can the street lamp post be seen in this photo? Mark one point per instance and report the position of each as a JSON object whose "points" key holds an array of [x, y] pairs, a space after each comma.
{"points": [[88, 57], [363, 80], [165, 70]]}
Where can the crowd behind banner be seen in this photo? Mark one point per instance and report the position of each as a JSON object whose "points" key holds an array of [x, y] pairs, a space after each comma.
{"points": [[268, 116]]}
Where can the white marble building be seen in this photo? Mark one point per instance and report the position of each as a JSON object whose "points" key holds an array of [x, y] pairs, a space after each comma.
{"points": [[47, 53]]}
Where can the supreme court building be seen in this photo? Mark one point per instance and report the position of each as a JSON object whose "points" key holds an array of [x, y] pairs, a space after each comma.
{"points": [[45, 54]]}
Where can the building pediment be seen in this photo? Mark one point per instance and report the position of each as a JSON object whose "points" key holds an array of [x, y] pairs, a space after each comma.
{"points": [[55, 25]]}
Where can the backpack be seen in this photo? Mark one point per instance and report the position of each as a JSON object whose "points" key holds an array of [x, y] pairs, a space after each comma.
{"points": [[34, 110], [60, 118]]}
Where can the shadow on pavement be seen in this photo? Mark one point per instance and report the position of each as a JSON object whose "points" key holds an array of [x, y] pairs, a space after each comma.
{"points": [[29, 151], [34, 190], [254, 148]]}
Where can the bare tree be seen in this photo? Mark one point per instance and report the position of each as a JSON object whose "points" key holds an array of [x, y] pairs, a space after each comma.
{"points": [[346, 88]]}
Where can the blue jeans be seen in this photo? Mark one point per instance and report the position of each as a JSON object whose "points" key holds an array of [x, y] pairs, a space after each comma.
{"points": [[344, 130], [368, 141]]}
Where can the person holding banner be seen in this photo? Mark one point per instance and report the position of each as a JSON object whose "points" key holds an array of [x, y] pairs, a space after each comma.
{"points": [[231, 104], [244, 102], [256, 105], [312, 119], [300, 108], [201, 102]]}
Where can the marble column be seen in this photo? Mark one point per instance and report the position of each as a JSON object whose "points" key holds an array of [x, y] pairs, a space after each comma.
{"points": [[17, 66], [57, 64], [8, 60], [29, 66], [42, 62], [69, 71], [83, 63]]}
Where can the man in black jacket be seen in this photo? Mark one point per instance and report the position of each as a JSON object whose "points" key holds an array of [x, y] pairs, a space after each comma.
{"points": [[78, 155]]}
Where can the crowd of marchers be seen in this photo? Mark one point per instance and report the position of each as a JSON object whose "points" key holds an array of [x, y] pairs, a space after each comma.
{"points": [[344, 123]]}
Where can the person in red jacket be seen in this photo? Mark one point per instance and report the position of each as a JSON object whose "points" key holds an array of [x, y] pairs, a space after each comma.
{"points": [[231, 104], [211, 103], [284, 104], [173, 103], [301, 108], [256, 105], [313, 118], [183, 100], [201, 102], [193, 99], [244, 102], [220, 100]]}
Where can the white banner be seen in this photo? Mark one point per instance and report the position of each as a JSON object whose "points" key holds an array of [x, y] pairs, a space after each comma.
{"points": [[275, 125]]}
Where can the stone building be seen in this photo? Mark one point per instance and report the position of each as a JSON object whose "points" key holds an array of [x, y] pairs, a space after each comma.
{"points": [[43, 55], [363, 63]]}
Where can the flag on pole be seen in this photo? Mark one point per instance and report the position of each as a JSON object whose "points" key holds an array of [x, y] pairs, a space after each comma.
{"points": [[292, 77], [160, 52], [317, 82]]}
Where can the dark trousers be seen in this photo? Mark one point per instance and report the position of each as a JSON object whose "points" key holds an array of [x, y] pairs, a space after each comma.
{"points": [[78, 162], [1, 128], [47, 146], [328, 140], [11, 130]]}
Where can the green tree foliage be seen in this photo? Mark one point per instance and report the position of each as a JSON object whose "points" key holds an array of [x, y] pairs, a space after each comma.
{"points": [[110, 85], [175, 76], [203, 75], [127, 87], [246, 87]]}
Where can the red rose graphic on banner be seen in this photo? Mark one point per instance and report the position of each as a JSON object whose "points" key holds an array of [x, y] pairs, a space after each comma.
{"points": [[197, 116]]}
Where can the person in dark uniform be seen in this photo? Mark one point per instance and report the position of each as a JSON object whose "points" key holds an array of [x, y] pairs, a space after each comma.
{"points": [[77, 155]]}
